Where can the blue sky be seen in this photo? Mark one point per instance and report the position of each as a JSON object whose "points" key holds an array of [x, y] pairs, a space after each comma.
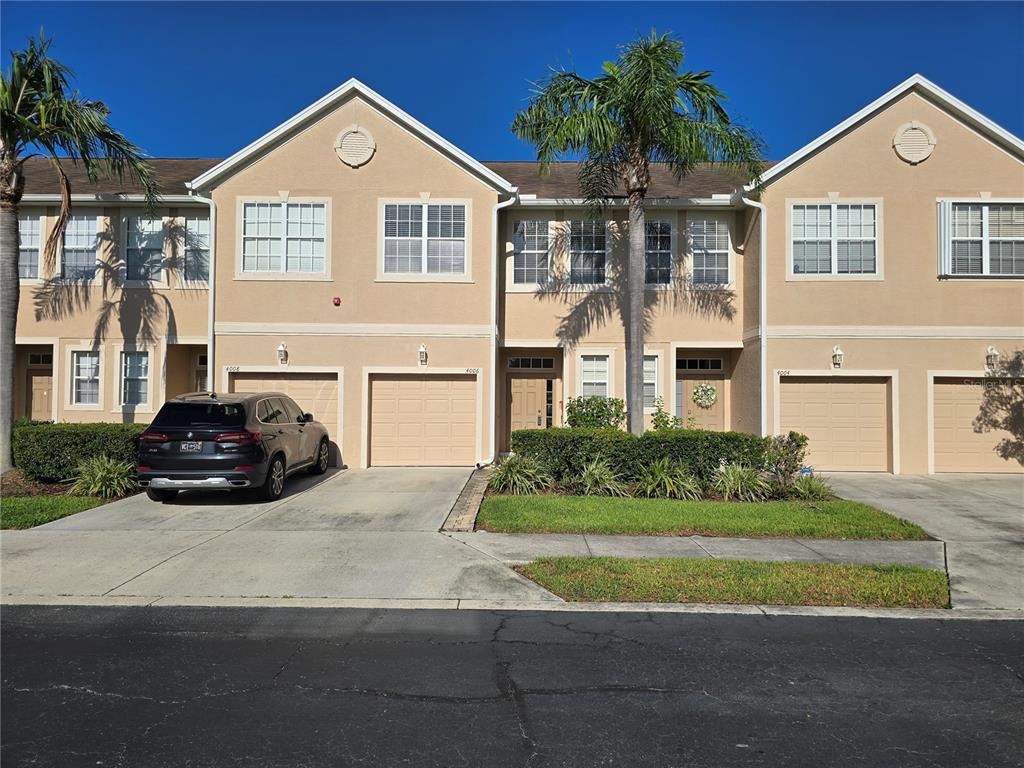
{"points": [[205, 79]]}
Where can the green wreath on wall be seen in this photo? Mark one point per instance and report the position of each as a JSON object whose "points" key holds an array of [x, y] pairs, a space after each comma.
{"points": [[705, 395]]}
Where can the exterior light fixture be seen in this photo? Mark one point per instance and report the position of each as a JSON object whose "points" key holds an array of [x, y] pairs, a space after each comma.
{"points": [[423, 354], [837, 357], [282, 353], [991, 358]]}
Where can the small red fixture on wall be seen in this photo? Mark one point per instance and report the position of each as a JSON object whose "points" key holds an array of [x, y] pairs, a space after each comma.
{"points": [[336, 301]]}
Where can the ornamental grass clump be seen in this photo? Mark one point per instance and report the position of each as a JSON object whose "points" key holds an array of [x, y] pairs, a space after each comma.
{"points": [[735, 482], [810, 488], [105, 477], [519, 476], [665, 479], [597, 478]]}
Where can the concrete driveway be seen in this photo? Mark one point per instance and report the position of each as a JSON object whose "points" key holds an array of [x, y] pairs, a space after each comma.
{"points": [[356, 534], [980, 517]]}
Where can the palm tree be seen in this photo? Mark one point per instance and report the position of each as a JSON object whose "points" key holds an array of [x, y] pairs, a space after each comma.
{"points": [[40, 114], [640, 110]]}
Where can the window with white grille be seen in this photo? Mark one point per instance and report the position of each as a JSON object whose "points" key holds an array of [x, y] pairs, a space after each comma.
{"points": [[650, 380], [530, 265], [29, 245], [710, 243], [587, 252], [78, 260], [134, 378], [982, 239], [197, 247], [594, 381], [659, 253], [424, 239], [85, 377], [144, 248], [286, 237], [835, 239]]}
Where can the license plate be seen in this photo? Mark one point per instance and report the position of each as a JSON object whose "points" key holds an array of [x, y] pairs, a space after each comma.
{"points": [[191, 446]]}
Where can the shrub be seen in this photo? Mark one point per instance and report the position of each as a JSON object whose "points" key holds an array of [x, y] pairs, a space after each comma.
{"points": [[563, 452], [104, 477], [595, 412], [598, 479], [666, 480], [810, 488], [52, 452], [735, 482], [519, 476], [784, 456], [661, 419]]}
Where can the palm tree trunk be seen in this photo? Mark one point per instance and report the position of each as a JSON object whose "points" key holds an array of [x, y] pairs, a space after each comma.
{"points": [[9, 296], [635, 280]]}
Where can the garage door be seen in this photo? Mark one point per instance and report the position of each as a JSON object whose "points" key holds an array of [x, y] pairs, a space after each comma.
{"points": [[958, 448], [315, 393], [846, 420], [422, 420]]}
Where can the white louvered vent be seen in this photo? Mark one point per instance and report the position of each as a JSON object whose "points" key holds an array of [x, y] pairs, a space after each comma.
{"points": [[355, 146], [914, 142]]}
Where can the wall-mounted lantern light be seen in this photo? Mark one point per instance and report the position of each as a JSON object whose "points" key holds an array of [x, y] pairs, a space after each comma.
{"points": [[423, 354], [991, 358], [837, 357], [282, 353]]}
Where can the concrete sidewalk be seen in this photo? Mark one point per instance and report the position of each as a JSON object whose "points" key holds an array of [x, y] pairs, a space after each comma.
{"points": [[512, 548]]}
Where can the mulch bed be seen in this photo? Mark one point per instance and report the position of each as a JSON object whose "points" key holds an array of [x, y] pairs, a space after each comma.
{"points": [[16, 483]]}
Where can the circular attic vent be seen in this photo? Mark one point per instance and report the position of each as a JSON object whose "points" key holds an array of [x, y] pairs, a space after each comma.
{"points": [[355, 146], [914, 142]]}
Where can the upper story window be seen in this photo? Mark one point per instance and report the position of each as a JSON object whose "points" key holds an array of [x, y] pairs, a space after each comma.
{"points": [[983, 239], [78, 260], [587, 252], [197, 247], [29, 232], [410, 248], [594, 379], [144, 248], [834, 239], [659, 253], [289, 237], [710, 239], [531, 264]]}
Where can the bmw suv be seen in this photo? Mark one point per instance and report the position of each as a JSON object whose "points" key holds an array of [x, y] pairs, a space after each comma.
{"points": [[204, 440]]}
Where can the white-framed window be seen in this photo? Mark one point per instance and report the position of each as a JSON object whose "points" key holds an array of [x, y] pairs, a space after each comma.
{"points": [[588, 242], [134, 377], [594, 379], [29, 245], [78, 257], [284, 237], [650, 380], [658, 253], [144, 248], [530, 260], [834, 239], [710, 244], [424, 239], [85, 377], [982, 239], [197, 247]]}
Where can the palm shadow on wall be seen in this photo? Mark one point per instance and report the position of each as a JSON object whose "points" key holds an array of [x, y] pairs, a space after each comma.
{"points": [[1002, 406], [140, 311]]}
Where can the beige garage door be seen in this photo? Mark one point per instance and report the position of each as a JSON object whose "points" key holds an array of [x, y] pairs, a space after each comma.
{"points": [[420, 420], [846, 420], [315, 393], [958, 448]]}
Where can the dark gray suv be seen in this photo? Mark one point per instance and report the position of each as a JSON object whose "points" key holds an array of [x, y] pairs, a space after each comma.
{"points": [[226, 442]]}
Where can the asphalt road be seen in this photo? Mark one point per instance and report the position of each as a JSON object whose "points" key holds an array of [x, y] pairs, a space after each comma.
{"points": [[316, 687]]}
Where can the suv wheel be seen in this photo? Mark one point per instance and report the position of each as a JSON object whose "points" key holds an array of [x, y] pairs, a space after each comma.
{"points": [[273, 486], [322, 458], [161, 494]]}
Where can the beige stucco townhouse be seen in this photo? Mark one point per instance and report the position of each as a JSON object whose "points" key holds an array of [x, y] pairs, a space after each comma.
{"points": [[423, 304]]}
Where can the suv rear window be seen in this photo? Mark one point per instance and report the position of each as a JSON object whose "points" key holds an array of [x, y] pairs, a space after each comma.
{"points": [[200, 415]]}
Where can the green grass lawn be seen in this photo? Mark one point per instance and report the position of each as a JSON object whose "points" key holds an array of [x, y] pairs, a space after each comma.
{"points": [[690, 580], [666, 517], [30, 511]]}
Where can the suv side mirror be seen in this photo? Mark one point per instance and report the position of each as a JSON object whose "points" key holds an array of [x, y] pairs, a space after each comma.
{"points": [[307, 417]]}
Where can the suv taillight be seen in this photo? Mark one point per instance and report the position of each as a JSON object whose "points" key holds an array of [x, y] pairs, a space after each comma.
{"points": [[153, 437], [239, 437]]}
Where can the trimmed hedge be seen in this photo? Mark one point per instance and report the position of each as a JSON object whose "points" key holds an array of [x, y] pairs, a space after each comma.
{"points": [[562, 452], [51, 452]]}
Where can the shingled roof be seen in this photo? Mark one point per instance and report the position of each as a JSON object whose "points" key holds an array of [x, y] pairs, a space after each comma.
{"points": [[171, 174]]}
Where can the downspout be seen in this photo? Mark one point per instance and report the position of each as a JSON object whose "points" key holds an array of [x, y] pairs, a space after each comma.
{"points": [[211, 291], [494, 324], [762, 306]]}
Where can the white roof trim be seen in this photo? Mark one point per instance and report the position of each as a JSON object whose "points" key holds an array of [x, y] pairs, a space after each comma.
{"points": [[972, 116], [109, 198], [350, 86], [725, 201]]}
